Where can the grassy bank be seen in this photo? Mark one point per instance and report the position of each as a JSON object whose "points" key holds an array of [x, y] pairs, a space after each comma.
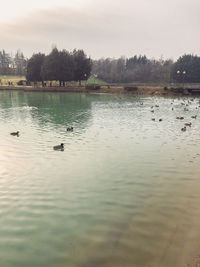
{"points": [[5, 79], [141, 90]]}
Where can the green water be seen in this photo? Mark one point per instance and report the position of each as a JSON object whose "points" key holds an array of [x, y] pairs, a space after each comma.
{"points": [[124, 192]]}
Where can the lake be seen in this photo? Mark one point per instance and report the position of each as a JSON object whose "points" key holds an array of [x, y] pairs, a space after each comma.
{"points": [[124, 192]]}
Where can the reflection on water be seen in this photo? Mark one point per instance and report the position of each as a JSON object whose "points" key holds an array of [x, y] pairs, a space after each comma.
{"points": [[124, 192]]}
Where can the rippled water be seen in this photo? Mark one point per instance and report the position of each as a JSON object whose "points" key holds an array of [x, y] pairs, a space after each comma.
{"points": [[124, 192]]}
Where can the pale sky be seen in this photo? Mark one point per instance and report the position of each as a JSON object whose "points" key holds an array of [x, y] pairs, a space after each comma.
{"points": [[103, 28]]}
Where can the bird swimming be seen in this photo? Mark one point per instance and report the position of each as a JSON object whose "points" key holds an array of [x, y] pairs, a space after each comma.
{"points": [[188, 124], [59, 147], [15, 133], [70, 129], [183, 129]]}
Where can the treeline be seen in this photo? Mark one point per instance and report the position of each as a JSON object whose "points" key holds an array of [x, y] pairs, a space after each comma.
{"points": [[12, 64], [64, 66], [142, 69], [61, 66]]}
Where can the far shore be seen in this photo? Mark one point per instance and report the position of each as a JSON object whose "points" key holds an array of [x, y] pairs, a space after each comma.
{"points": [[109, 89]]}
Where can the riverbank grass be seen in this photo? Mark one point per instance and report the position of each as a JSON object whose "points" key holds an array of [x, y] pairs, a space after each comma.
{"points": [[5, 79]]}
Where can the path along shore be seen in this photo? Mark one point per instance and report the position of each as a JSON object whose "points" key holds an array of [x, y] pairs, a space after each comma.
{"points": [[110, 89]]}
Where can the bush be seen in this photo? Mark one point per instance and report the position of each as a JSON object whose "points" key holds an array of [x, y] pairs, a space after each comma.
{"points": [[22, 82], [93, 87], [177, 90], [131, 88]]}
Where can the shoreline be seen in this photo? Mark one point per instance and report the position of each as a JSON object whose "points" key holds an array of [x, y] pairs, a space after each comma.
{"points": [[109, 89]]}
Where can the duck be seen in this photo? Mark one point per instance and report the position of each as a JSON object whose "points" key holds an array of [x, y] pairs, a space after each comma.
{"points": [[188, 124], [160, 119], [152, 111], [183, 129], [59, 147], [70, 129], [153, 119], [194, 117], [15, 133]]}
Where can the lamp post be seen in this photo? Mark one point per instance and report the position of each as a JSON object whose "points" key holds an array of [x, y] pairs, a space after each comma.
{"points": [[182, 75], [85, 75]]}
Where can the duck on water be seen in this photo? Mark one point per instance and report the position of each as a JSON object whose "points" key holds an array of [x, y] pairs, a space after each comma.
{"points": [[15, 133], [59, 147], [70, 129]]}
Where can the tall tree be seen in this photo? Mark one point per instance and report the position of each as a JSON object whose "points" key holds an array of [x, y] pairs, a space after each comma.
{"points": [[20, 63], [132, 62], [65, 69], [5, 62], [58, 66], [82, 66], [49, 70], [187, 68], [34, 66]]}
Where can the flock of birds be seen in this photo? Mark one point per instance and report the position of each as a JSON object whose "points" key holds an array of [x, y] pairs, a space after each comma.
{"points": [[57, 147], [187, 124], [186, 103]]}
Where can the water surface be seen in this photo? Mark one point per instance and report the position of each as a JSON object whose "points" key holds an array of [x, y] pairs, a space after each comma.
{"points": [[124, 192]]}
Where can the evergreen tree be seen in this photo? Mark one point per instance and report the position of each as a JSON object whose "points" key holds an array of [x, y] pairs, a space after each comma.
{"points": [[20, 63], [65, 69], [187, 69], [5, 63], [82, 66], [49, 70], [58, 66], [34, 66]]}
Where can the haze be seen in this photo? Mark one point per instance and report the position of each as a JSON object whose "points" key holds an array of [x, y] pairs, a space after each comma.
{"points": [[102, 28]]}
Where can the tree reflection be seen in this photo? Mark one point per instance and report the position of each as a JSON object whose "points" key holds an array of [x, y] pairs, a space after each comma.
{"points": [[64, 109]]}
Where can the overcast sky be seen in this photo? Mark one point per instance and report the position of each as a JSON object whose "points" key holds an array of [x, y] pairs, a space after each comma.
{"points": [[103, 28]]}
